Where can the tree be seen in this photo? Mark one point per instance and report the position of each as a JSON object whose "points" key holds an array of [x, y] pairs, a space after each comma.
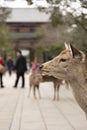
{"points": [[4, 12], [29, 1], [84, 3], [5, 41], [65, 13], [63, 9]]}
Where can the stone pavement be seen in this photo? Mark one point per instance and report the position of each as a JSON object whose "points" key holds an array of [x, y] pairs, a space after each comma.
{"points": [[19, 112]]}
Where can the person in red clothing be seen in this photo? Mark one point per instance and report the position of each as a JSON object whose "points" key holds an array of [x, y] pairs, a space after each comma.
{"points": [[34, 65], [1, 75]]}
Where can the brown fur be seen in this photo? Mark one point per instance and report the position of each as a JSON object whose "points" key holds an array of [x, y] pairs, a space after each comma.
{"points": [[56, 83], [71, 65], [36, 78]]}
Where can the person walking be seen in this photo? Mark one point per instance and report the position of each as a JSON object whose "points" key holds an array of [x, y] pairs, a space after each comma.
{"points": [[20, 67], [9, 65], [1, 74]]}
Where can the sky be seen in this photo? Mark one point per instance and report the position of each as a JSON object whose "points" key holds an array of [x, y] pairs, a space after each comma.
{"points": [[42, 3], [23, 3]]}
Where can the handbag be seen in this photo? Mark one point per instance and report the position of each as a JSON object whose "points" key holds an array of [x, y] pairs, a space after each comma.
{"points": [[2, 69]]}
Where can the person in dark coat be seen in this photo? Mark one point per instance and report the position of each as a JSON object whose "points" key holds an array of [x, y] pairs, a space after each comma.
{"points": [[9, 65], [20, 67]]}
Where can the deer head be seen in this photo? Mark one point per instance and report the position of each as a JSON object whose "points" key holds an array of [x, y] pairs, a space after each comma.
{"points": [[67, 65]]}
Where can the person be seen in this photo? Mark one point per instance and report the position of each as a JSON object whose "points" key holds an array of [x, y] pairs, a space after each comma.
{"points": [[34, 65], [9, 65], [20, 67], [1, 74]]}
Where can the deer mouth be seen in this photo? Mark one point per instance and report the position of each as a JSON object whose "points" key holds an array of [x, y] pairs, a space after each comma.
{"points": [[55, 73], [45, 72]]}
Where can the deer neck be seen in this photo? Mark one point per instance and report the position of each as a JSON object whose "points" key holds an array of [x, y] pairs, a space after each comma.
{"points": [[79, 77], [79, 80]]}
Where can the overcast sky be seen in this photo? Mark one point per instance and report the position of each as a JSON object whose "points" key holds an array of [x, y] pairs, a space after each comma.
{"points": [[36, 3], [23, 3]]}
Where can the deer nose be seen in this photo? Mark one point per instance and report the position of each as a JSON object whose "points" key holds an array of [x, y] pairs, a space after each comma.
{"points": [[41, 66]]}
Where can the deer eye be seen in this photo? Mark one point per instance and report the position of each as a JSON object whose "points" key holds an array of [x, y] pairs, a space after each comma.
{"points": [[62, 60]]}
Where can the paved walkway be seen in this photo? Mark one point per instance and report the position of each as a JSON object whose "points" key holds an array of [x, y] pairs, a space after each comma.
{"points": [[18, 112]]}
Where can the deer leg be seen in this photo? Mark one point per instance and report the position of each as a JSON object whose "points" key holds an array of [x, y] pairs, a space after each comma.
{"points": [[38, 91], [86, 115], [58, 86], [54, 92], [67, 84], [34, 91]]}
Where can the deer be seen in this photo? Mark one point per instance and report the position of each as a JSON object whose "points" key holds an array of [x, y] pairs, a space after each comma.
{"points": [[71, 65], [57, 83], [36, 78]]}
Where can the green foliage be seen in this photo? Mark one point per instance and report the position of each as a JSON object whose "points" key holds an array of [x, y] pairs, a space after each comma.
{"points": [[56, 17], [50, 51], [77, 35], [4, 12], [54, 50], [38, 52], [5, 41], [39, 32], [32, 54]]}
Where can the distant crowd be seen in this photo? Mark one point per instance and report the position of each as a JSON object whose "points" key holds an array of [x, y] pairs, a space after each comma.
{"points": [[20, 66]]}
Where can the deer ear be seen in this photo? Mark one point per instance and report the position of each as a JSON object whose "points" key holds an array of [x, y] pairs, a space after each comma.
{"points": [[76, 53], [66, 45]]}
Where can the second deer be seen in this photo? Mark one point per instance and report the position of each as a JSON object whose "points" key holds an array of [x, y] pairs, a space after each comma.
{"points": [[36, 78]]}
